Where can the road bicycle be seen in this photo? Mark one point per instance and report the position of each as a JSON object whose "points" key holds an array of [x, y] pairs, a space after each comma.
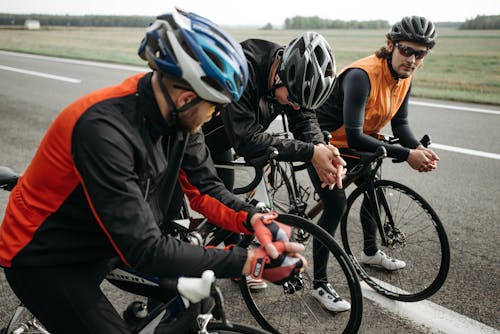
{"points": [[290, 301], [196, 308], [289, 307], [177, 312], [408, 228]]}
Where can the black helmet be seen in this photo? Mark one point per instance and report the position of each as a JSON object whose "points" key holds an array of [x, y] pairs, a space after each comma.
{"points": [[415, 29], [308, 70]]}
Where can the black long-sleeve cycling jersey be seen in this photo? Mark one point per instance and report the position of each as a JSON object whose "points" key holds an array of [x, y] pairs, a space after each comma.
{"points": [[346, 106], [94, 190], [246, 121]]}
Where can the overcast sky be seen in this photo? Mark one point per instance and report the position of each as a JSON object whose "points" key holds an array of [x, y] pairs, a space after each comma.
{"points": [[260, 12]]}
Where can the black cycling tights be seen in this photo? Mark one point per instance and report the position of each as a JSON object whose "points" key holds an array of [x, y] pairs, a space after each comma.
{"points": [[334, 208], [67, 299]]}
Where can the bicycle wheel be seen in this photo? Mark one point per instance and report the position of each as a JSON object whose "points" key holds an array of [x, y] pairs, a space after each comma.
{"points": [[232, 327], [290, 308], [412, 232], [22, 321]]}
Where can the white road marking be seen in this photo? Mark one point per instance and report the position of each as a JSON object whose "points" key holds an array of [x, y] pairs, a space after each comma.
{"points": [[425, 313], [481, 154], [40, 74], [79, 62], [447, 106], [460, 150]]}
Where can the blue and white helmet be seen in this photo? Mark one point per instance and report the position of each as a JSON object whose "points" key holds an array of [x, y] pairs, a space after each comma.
{"points": [[195, 49]]}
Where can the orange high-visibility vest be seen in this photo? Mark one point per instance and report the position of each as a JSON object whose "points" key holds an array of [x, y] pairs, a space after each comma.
{"points": [[386, 96]]}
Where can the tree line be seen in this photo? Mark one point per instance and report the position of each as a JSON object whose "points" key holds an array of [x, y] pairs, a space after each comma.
{"points": [[78, 20], [482, 22], [315, 22], [296, 22]]}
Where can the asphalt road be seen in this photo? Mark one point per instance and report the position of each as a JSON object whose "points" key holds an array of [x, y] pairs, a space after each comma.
{"points": [[464, 191]]}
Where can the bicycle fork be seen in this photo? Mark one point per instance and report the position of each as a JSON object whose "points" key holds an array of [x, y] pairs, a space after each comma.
{"points": [[390, 235]]}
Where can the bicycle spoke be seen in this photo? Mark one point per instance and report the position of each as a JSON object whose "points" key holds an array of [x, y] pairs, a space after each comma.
{"points": [[300, 312], [412, 234]]}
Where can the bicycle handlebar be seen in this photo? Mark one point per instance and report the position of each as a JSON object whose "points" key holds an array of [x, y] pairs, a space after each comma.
{"points": [[366, 159], [258, 165], [425, 141], [192, 288]]}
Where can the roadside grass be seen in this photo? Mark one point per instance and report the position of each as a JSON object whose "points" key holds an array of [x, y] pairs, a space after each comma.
{"points": [[464, 66]]}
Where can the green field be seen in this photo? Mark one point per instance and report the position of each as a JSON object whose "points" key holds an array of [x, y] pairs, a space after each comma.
{"points": [[464, 66]]}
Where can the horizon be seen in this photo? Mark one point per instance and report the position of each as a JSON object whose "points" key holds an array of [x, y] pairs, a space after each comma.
{"points": [[262, 12]]}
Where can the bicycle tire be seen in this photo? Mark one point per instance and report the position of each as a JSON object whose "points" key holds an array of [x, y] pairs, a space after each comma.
{"points": [[233, 327], [423, 244], [299, 312]]}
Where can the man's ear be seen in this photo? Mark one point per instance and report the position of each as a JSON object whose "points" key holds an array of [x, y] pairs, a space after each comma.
{"points": [[185, 97], [390, 45]]}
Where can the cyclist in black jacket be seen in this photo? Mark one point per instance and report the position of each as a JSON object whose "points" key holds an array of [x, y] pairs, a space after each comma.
{"points": [[103, 177], [295, 79]]}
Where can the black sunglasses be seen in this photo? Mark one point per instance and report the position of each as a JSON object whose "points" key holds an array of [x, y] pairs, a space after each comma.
{"points": [[406, 51]]}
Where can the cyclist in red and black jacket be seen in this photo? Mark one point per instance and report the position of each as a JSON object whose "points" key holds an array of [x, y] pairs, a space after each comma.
{"points": [[295, 79], [104, 175]]}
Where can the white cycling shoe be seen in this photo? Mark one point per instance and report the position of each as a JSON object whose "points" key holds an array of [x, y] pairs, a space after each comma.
{"points": [[330, 299], [380, 259]]}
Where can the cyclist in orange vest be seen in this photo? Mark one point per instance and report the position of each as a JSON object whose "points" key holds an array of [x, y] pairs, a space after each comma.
{"points": [[372, 92]]}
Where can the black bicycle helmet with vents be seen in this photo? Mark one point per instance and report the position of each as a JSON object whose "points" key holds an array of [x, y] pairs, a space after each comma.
{"points": [[415, 29], [308, 70]]}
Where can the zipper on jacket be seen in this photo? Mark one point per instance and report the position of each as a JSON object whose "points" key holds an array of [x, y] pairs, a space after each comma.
{"points": [[148, 182]]}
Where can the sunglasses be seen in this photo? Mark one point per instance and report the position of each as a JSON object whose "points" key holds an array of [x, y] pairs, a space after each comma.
{"points": [[406, 51]]}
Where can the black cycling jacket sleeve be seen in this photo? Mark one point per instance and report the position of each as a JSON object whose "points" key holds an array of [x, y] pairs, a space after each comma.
{"points": [[356, 88], [247, 131], [104, 159], [401, 127], [304, 125], [206, 191]]}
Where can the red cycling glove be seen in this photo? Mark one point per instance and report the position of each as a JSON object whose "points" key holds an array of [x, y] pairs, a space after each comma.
{"points": [[267, 230], [278, 270]]}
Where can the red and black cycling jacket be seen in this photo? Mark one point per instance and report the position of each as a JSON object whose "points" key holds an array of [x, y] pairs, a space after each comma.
{"points": [[92, 190]]}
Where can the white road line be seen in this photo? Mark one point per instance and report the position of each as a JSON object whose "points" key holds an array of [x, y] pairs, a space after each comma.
{"points": [[460, 150], [40, 74], [79, 62], [481, 154], [425, 313], [447, 106]]}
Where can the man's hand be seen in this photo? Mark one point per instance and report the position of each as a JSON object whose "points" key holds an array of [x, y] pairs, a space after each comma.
{"points": [[267, 230], [422, 159], [329, 165], [288, 263]]}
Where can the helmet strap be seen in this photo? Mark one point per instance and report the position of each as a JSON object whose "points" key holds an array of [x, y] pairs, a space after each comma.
{"points": [[273, 72], [174, 111]]}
